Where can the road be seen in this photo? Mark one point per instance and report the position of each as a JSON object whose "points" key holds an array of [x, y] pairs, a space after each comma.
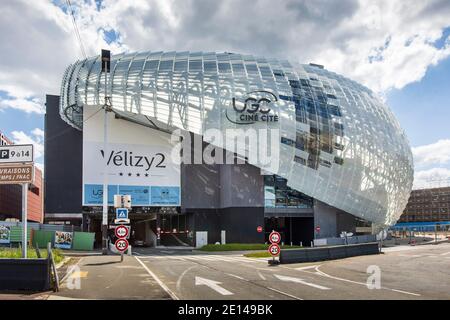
{"points": [[105, 277], [416, 273]]}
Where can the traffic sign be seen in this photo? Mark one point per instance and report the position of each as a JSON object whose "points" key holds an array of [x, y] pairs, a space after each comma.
{"points": [[121, 221], [274, 237], [121, 213], [318, 229], [121, 232], [16, 174], [121, 245], [274, 249], [259, 229], [16, 153]]}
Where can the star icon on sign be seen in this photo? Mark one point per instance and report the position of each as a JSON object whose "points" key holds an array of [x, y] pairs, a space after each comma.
{"points": [[138, 175], [121, 174], [129, 174], [146, 174]]}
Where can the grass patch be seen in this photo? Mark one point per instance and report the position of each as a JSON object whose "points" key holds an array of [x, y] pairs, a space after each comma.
{"points": [[16, 253], [259, 254], [240, 247]]}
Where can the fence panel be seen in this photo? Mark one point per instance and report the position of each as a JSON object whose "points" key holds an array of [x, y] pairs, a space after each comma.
{"points": [[83, 241]]}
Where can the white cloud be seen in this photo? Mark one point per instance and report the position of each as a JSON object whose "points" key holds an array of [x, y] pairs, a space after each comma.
{"points": [[36, 138], [383, 44], [437, 153], [38, 133], [432, 178], [27, 105], [38, 43]]}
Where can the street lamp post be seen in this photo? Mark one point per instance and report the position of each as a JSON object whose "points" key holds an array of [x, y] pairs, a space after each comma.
{"points": [[106, 58]]}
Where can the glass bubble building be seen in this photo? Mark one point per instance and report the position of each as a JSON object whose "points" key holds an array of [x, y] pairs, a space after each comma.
{"points": [[340, 145]]}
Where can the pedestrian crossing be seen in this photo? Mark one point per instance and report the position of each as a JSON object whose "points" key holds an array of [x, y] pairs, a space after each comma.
{"points": [[209, 258]]}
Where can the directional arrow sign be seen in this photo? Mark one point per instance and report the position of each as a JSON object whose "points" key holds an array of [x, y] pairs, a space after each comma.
{"points": [[199, 281], [298, 280]]}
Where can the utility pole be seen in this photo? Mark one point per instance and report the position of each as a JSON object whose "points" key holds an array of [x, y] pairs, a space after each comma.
{"points": [[24, 220], [106, 63]]}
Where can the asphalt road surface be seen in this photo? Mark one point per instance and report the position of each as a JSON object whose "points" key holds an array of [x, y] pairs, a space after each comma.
{"points": [[415, 273]]}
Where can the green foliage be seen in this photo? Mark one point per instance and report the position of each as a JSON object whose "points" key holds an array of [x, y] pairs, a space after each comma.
{"points": [[259, 254], [16, 253]]}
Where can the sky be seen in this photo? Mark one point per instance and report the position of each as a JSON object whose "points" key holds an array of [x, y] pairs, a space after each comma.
{"points": [[398, 48]]}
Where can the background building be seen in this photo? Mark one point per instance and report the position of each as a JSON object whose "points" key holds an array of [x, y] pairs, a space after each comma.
{"points": [[11, 196], [428, 205]]}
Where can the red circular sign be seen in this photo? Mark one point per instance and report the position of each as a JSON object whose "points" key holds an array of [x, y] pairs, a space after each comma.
{"points": [[274, 237], [121, 232], [317, 228], [274, 249], [259, 229], [121, 245]]}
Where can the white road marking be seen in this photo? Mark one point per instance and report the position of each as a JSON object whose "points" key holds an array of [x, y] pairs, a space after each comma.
{"points": [[406, 292], [181, 277], [284, 293], [235, 276], [162, 285], [301, 281], [360, 283], [445, 253], [307, 267], [266, 269], [260, 275], [215, 285]]}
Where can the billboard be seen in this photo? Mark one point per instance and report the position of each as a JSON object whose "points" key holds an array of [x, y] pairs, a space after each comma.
{"points": [[138, 161], [5, 234], [63, 240]]}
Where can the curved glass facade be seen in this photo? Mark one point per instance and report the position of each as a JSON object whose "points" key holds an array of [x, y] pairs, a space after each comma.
{"points": [[339, 143]]}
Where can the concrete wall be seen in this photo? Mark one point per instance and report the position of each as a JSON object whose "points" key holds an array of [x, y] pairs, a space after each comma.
{"points": [[346, 222], [63, 162], [332, 221], [325, 217], [220, 185], [200, 186], [239, 223], [242, 186]]}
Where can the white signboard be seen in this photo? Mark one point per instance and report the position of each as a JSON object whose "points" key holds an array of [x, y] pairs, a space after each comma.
{"points": [[138, 161], [16, 153]]}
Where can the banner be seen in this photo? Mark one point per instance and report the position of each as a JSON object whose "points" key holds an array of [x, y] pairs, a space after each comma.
{"points": [[63, 240], [138, 161], [5, 234]]}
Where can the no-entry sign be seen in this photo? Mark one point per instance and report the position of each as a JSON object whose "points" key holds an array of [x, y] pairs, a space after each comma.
{"points": [[121, 232], [274, 249], [318, 229], [274, 237], [259, 229], [121, 245]]}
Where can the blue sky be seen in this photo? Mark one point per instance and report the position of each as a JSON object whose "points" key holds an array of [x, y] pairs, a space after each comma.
{"points": [[399, 50], [423, 108]]}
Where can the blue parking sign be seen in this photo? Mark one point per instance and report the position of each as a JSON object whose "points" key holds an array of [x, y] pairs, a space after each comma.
{"points": [[121, 213]]}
